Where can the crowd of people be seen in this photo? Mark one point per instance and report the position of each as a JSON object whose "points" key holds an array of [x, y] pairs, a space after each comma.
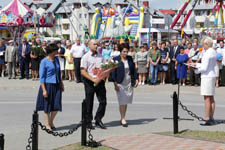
{"points": [[158, 63]]}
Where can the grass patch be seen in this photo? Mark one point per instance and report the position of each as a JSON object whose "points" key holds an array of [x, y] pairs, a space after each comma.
{"points": [[213, 136], [77, 146]]}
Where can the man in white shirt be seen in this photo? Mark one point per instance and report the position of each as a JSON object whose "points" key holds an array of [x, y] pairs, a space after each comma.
{"points": [[77, 52], [194, 56], [221, 50], [89, 63]]}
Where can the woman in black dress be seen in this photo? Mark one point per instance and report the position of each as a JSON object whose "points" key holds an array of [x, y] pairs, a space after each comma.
{"points": [[49, 97], [34, 60]]}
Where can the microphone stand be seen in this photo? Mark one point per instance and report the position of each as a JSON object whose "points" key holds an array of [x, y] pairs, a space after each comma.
{"points": [[178, 95]]}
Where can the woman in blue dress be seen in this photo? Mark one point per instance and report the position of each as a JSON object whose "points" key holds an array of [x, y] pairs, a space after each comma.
{"points": [[106, 53], [2, 57], [181, 67], [49, 97]]}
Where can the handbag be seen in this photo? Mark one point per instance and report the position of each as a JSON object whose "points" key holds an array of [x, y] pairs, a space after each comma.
{"points": [[168, 61]]}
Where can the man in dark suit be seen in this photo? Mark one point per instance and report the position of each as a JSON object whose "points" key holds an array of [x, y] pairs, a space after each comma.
{"points": [[24, 58], [174, 51]]}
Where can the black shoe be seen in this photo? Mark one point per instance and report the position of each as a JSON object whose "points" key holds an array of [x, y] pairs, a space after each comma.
{"points": [[53, 128], [124, 125], [14, 77], [207, 123], [21, 78], [27, 78], [100, 124], [90, 126], [10, 78]]}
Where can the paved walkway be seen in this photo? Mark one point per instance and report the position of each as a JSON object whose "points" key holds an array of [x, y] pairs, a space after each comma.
{"points": [[158, 142]]}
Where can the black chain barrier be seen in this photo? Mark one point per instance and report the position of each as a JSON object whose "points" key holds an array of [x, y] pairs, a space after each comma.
{"points": [[60, 134], [28, 147], [91, 142], [196, 116], [33, 138], [190, 112]]}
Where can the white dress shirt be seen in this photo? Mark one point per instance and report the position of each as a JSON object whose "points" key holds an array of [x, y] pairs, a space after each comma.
{"points": [[207, 67], [78, 51], [91, 61]]}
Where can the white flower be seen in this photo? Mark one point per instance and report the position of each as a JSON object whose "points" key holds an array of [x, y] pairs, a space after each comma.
{"points": [[117, 61], [112, 61]]}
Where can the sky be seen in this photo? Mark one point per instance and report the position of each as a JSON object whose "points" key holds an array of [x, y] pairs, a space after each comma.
{"points": [[155, 4]]}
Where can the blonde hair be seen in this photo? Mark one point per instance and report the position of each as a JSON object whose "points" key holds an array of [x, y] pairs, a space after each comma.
{"points": [[207, 40]]}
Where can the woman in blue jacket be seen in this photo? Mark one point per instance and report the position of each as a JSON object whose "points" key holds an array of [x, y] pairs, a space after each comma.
{"points": [[49, 97], [125, 78]]}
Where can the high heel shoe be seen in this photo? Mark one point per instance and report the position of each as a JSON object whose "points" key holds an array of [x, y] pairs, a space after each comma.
{"points": [[53, 128], [124, 125]]}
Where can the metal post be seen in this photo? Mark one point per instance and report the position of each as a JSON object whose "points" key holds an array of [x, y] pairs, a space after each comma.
{"points": [[175, 113], [84, 124], [2, 141], [35, 131]]}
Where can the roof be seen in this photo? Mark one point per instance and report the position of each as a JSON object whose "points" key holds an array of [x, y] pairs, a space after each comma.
{"points": [[204, 7], [167, 11], [53, 6], [76, 1], [61, 10]]}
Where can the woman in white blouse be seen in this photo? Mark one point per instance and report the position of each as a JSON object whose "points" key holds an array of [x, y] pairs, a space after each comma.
{"points": [[208, 79]]}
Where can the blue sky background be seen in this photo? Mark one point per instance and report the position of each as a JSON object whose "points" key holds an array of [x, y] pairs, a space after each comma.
{"points": [[153, 3]]}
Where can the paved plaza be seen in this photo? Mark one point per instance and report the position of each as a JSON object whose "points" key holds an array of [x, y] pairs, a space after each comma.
{"points": [[145, 115], [148, 141]]}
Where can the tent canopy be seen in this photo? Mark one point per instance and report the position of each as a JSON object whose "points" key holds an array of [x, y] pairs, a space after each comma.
{"points": [[16, 13], [16, 7]]}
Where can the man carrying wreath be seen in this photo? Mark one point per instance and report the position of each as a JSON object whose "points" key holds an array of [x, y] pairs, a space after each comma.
{"points": [[90, 62]]}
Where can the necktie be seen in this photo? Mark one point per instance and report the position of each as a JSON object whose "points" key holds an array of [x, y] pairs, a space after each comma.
{"points": [[175, 50], [24, 49]]}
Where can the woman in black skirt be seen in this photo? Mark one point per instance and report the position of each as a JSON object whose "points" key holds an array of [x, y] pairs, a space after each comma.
{"points": [[34, 60], [49, 97]]}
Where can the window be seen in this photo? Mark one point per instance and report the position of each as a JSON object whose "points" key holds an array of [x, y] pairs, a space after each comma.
{"points": [[85, 15], [66, 26], [197, 13], [80, 15]]}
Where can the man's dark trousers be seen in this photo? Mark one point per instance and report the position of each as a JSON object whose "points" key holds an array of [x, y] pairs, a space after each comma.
{"points": [[90, 91], [77, 69], [24, 67]]}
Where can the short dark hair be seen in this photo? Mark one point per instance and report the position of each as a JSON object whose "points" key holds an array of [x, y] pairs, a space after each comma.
{"points": [[51, 48], [145, 44], [122, 46], [58, 42], [181, 48], [163, 42]]}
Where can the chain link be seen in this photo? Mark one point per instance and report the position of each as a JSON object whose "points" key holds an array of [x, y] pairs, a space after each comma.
{"points": [[60, 134], [190, 112], [90, 136], [196, 116], [28, 147], [91, 142]]}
